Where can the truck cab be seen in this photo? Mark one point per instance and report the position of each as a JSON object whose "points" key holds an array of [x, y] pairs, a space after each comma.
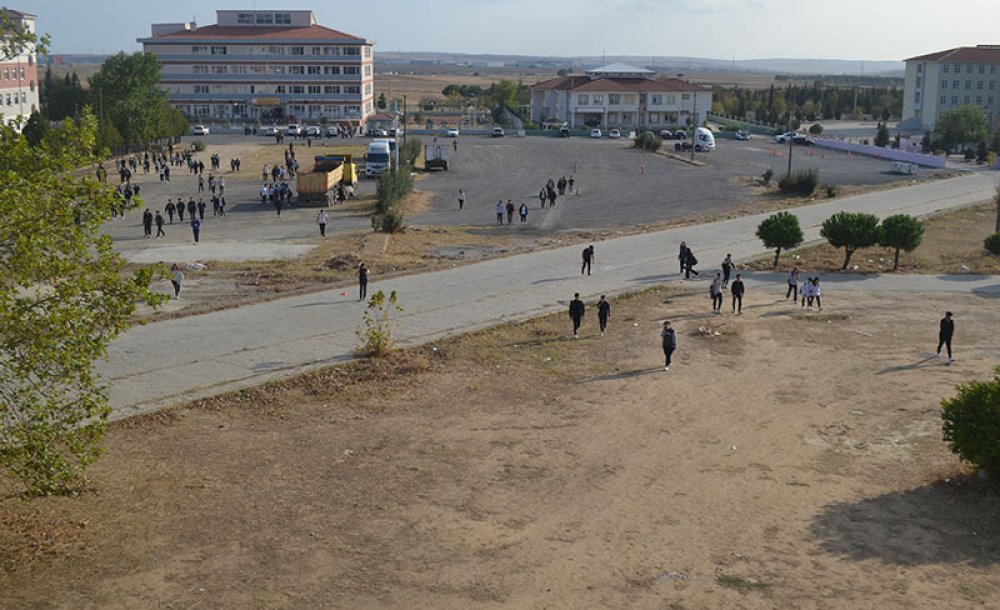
{"points": [[378, 159]]}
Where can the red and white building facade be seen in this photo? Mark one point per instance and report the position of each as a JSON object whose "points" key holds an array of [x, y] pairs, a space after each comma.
{"points": [[270, 66], [19, 76]]}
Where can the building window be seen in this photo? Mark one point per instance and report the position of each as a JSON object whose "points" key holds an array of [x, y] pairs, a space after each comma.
{"points": [[298, 51], [6, 73], [265, 18], [368, 70], [355, 70], [296, 89], [982, 68], [315, 50], [657, 100], [654, 117], [993, 85], [258, 69], [671, 100], [331, 89], [944, 100], [313, 89], [967, 100], [920, 68], [968, 69], [614, 99], [979, 85], [352, 90], [916, 97], [598, 100], [218, 50], [218, 69], [283, 18], [944, 69], [954, 100], [237, 69], [275, 50], [352, 51], [954, 84], [199, 69], [331, 69], [313, 70], [368, 52], [279, 88], [277, 69], [968, 84], [199, 50], [244, 19], [368, 89], [582, 99], [296, 69], [201, 88], [958, 69], [628, 100], [919, 82], [993, 69], [979, 100], [989, 102], [331, 50], [685, 96]]}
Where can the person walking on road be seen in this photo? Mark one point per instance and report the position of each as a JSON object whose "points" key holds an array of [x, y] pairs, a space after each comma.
{"points": [[715, 290], [321, 221], [180, 210], [461, 199], [170, 209], [176, 278], [669, 338], [147, 224], [158, 219], [682, 255], [737, 290], [689, 262], [946, 332], [727, 267], [793, 285], [588, 259], [196, 228], [542, 196], [362, 281], [500, 212], [603, 313], [576, 311]]}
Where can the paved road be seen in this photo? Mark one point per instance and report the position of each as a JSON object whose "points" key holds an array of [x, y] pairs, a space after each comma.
{"points": [[178, 360]]}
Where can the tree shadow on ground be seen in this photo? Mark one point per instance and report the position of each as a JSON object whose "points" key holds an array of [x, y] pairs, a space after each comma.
{"points": [[950, 521], [922, 363], [625, 374]]}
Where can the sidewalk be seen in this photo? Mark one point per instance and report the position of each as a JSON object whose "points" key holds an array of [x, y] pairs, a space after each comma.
{"points": [[174, 361]]}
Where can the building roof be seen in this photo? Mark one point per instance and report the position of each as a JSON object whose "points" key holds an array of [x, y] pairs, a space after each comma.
{"points": [[619, 68], [984, 53], [221, 32], [13, 14], [627, 85]]}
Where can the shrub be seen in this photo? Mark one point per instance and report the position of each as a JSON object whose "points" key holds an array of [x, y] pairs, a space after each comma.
{"points": [[850, 231], [801, 183], [767, 175], [647, 140], [832, 190], [815, 129], [409, 152], [390, 221], [198, 145], [393, 187], [779, 231], [992, 244], [971, 423], [376, 336], [902, 232]]}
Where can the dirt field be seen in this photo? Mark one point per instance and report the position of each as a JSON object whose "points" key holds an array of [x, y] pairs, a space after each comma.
{"points": [[952, 243], [792, 461]]}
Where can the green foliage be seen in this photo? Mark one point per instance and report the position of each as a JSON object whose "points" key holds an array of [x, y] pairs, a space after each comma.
{"points": [[36, 130], [901, 232], [376, 336], [173, 123], [961, 125], [648, 140], [381, 103], [832, 190], [815, 129], [16, 38], [882, 136], [63, 298], [61, 98], [126, 91], [393, 187], [971, 423], [801, 183], [780, 231], [767, 175], [825, 98], [982, 151], [992, 244], [198, 145], [409, 152], [108, 138], [851, 231]]}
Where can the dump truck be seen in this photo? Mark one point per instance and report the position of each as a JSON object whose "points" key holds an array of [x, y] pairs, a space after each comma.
{"points": [[316, 188], [437, 156]]}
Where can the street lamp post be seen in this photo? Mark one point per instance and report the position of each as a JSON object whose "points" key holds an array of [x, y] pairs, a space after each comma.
{"points": [[791, 142]]}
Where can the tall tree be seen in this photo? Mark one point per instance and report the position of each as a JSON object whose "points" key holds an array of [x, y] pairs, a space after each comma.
{"points": [[901, 232], [851, 231], [126, 93], [962, 125], [780, 231], [63, 297]]}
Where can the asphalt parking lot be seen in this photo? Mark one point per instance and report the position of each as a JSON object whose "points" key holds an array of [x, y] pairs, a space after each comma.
{"points": [[613, 192]]}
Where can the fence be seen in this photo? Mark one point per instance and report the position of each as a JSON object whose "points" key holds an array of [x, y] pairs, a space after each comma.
{"points": [[889, 154]]}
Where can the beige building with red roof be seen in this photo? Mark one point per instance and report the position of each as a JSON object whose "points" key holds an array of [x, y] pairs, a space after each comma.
{"points": [[19, 75], [941, 81], [272, 66], [619, 96]]}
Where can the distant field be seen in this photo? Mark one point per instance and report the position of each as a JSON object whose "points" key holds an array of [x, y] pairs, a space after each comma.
{"points": [[84, 71]]}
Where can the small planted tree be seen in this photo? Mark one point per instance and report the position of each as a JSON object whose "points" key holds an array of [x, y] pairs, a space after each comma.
{"points": [[376, 336], [815, 129], [801, 183], [851, 231], [780, 231], [882, 136], [901, 232], [992, 244], [971, 423]]}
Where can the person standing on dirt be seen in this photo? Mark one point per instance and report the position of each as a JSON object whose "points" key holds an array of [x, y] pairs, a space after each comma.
{"points": [[793, 285], [603, 313], [500, 212], [737, 290], [159, 225], [321, 221], [510, 211], [576, 311], [176, 278], [945, 333], [669, 338], [542, 196], [201, 184], [570, 184], [362, 281], [195, 228], [170, 210], [461, 199], [523, 213], [727, 267], [588, 259], [715, 289], [815, 293]]}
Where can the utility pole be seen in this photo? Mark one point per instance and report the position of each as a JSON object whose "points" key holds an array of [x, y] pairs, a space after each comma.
{"points": [[694, 127], [791, 142]]}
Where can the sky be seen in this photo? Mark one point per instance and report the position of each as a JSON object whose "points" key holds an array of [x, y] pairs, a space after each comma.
{"points": [[721, 29]]}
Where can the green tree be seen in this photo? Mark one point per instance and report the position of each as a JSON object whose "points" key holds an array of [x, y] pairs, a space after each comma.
{"points": [[63, 297], [125, 91], [851, 231], [815, 129], [780, 231], [901, 232], [17, 39], [381, 101], [961, 125], [36, 130], [971, 422], [376, 336], [882, 136]]}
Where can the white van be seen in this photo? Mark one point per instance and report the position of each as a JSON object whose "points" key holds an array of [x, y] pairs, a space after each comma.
{"points": [[704, 140]]}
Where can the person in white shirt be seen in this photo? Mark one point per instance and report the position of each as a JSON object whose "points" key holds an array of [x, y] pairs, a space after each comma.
{"points": [[716, 291], [176, 278], [814, 291], [321, 221]]}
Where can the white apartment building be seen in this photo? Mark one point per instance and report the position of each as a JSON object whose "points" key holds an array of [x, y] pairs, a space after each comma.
{"points": [[266, 65], [619, 96], [949, 79], [19, 75]]}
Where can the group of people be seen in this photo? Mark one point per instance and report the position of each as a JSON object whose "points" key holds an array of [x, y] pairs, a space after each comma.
{"points": [[501, 209], [554, 189], [808, 292]]}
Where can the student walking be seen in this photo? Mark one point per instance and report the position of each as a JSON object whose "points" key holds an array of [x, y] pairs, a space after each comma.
{"points": [[682, 256], [814, 292], [321, 221], [159, 225], [737, 290], [147, 224], [727, 267], [523, 213], [793, 285], [689, 262], [715, 290], [603, 313], [461, 199], [588, 259], [170, 210], [362, 281], [176, 278], [669, 338], [500, 212], [542, 196], [946, 332], [196, 228], [576, 311]]}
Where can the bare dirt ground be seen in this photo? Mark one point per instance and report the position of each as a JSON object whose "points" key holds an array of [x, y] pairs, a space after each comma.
{"points": [[952, 244], [794, 460]]}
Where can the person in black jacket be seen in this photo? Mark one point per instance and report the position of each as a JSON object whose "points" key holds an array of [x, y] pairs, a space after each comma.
{"points": [[603, 313], [669, 337], [588, 259], [945, 334], [576, 311], [737, 289]]}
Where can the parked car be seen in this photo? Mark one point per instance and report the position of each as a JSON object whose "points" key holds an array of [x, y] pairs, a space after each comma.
{"points": [[614, 134], [378, 133], [331, 131], [268, 130], [742, 135], [801, 139], [314, 130], [666, 134], [595, 133], [498, 132], [683, 146], [199, 130], [781, 138], [294, 129], [453, 132], [680, 134], [564, 132]]}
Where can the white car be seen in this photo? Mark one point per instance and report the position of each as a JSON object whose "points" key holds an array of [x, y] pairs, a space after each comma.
{"points": [[742, 135], [313, 130], [331, 131], [453, 132], [781, 138], [614, 134], [595, 133], [199, 130], [498, 132], [268, 130], [294, 129]]}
